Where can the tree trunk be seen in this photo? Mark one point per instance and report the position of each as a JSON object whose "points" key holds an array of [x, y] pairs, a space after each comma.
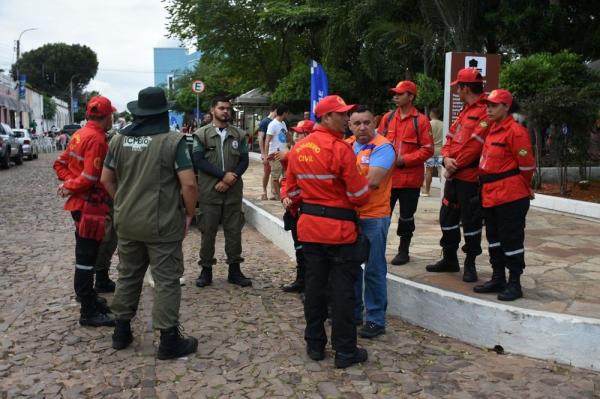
{"points": [[538, 157]]}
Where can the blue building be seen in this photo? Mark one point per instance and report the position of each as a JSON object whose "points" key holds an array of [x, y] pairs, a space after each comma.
{"points": [[170, 60]]}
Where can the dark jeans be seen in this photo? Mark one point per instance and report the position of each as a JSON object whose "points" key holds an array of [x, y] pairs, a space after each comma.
{"points": [[86, 252], [330, 269], [408, 199], [461, 204], [505, 231]]}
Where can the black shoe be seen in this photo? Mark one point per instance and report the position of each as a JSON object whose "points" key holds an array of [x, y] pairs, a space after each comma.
{"points": [[296, 286], [236, 276], [513, 289], [173, 344], [315, 354], [358, 322], [96, 319], [122, 336], [371, 330], [99, 299], [448, 263], [343, 360], [494, 285], [401, 258], [470, 272], [104, 285], [205, 277]]}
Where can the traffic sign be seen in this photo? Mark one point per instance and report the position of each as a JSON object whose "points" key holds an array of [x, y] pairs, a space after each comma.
{"points": [[198, 86]]}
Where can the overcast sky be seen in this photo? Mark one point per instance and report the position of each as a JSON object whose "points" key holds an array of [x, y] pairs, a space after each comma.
{"points": [[121, 32]]}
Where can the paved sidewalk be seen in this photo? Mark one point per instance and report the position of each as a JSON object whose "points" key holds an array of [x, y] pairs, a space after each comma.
{"points": [[562, 255], [251, 342]]}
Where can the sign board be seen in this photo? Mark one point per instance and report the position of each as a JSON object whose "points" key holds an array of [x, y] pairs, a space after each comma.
{"points": [[488, 65], [198, 86], [75, 104], [22, 85]]}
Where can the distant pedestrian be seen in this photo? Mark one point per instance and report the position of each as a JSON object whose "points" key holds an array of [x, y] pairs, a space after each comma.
{"points": [[262, 135], [435, 162], [507, 166], [147, 171], [79, 168], [221, 158], [276, 140]]}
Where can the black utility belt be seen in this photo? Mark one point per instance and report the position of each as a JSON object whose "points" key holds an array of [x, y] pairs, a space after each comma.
{"points": [[492, 177], [329, 212]]}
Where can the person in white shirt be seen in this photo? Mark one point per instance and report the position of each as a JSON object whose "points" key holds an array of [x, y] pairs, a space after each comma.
{"points": [[277, 139]]}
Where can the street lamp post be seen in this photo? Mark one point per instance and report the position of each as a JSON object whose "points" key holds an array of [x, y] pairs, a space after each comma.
{"points": [[18, 118]]}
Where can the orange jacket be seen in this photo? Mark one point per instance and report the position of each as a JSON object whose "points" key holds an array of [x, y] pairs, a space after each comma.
{"points": [[465, 138], [322, 171], [379, 202], [80, 164], [507, 147], [401, 133]]}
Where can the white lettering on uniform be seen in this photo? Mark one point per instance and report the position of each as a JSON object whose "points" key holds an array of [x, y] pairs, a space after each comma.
{"points": [[137, 143]]}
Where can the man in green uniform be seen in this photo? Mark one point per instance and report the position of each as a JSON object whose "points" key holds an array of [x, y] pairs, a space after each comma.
{"points": [[221, 158], [147, 171]]}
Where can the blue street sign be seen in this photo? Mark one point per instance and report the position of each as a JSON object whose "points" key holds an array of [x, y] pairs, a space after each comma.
{"points": [[75, 104], [22, 82]]}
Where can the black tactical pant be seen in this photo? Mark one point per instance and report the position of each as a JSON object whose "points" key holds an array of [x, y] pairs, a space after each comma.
{"points": [[505, 231], [330, 269], [408, 199], [291, 223], [461, 204], [86, 252]]}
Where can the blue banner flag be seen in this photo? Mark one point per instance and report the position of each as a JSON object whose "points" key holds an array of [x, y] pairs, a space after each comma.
{"points": [[319, 86], [22, 85]]}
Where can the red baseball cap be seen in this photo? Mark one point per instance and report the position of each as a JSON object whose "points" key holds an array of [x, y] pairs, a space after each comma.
{"points": [[405, 86], [305, 126], [500, 96], [99, 106], [468, 75], [333, 103]]}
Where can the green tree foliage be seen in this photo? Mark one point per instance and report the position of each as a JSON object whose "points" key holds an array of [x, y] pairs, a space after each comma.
{"points": [[51, 67], [430, 92], [49, 107]]}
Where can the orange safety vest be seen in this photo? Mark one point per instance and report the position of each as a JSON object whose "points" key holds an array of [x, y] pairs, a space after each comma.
{"points": [[379, 200]]}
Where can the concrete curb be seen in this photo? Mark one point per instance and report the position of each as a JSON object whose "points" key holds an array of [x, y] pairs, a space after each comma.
{"points": [[563, 338]]}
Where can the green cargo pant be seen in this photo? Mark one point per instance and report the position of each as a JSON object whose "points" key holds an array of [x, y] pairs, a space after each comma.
{"points": [[108, 246], [166, 265], [208, 219]]}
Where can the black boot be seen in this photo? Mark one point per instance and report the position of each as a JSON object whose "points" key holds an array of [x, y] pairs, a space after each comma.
{"points": [[91, 315], [470, 272], [513, 288], [205, 277], [402, 257], [236, 276], [496, 284], [448, 263], [343, 360], [103, 282], [298, 284], [122, 336], [173, 344]]}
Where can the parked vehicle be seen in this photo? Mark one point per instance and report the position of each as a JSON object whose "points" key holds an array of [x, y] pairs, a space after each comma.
{"points": [[70, 129], [13, 149], [29, 144]]}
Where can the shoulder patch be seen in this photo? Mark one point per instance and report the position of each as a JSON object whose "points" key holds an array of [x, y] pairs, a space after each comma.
{"points": [[523, 152], [483, 124]]}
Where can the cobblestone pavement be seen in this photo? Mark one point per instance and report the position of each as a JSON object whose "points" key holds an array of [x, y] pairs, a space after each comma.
{"points": [[250, 339], [562, 254]]}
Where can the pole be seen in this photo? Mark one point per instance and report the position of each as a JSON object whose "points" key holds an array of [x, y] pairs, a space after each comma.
{"points": [[71, 101], [18, 118], [197, 109]]}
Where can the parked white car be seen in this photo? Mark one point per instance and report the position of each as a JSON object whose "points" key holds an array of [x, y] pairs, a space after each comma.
{"points": [[10, 148], [28, 143]]}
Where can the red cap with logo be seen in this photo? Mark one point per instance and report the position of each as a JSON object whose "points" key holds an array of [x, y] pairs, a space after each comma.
{"points": [[305, 126], [99, 106], [333, 103], [468, 75], [405, 86], [500, 96]]}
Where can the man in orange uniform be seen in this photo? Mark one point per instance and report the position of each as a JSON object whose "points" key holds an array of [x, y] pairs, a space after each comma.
{"points": [[507, 165], [410, 133], [375, 159], [461, 154], [79, 168], [322, 175]]}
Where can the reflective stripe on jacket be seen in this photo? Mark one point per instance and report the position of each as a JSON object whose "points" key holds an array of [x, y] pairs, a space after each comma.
{"points": [[465, 138], [379, 201], [322, 171], [80, 164], [507, 147]]}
